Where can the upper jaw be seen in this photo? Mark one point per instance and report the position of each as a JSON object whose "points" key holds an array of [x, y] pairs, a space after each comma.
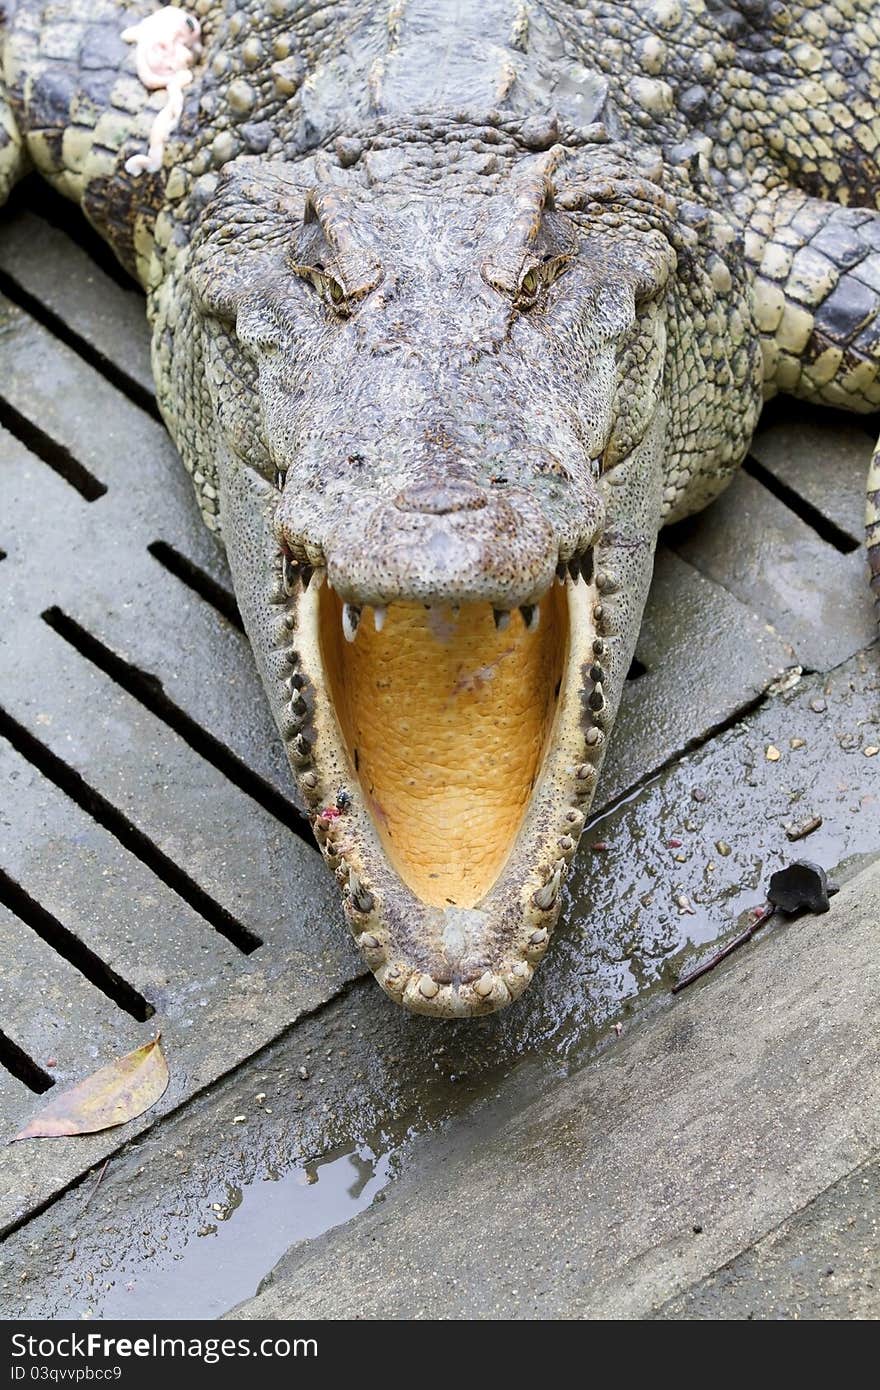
{"points": [[438, 543]]}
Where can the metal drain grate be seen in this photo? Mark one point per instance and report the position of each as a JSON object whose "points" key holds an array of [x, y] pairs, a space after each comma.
{"points": [[156, 872]]}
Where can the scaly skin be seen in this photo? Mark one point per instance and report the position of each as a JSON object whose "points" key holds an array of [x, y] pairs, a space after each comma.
{"points": [[448, 301]]}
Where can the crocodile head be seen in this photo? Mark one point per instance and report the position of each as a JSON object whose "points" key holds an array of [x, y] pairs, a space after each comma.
{"points": [[440, 461]]}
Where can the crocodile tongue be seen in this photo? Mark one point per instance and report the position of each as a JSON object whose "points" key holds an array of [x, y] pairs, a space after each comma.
{"points": [[445, 719]]}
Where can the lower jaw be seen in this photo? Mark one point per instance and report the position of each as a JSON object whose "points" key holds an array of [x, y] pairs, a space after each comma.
{"points": [[447, 767]]}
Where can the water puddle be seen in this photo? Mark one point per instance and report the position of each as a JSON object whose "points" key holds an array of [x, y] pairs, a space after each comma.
{"points": [[249, 1229]]}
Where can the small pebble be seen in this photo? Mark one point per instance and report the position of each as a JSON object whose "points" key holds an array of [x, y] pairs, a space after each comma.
{"points": [[698, 794], [806, 827], [797, 743], [723, 848], [239, 1119], [772, 753], [871, 751], [303, 1074], [818, 705]]}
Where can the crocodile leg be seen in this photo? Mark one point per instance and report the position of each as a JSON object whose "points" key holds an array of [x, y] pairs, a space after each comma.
{"points": [[817, 307], [14, 161], [74, 108]]}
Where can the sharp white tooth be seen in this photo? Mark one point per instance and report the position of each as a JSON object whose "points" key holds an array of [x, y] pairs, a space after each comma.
{"points": [[289, 572], [351, 616], [531, 616], [502, 618], [379, 615]]}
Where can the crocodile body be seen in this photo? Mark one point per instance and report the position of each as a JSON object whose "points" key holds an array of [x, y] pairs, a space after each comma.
{"points": [[454, 306]]}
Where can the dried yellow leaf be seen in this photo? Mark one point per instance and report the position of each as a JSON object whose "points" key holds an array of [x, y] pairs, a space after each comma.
{"points": [[112, 1096]]}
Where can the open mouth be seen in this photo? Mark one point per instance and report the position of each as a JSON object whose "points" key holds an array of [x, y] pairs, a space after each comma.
{"points": [[444, 752], [446, 719]]}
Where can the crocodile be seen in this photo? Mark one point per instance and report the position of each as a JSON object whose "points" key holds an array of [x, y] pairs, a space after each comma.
{"points": [[454, 306]]}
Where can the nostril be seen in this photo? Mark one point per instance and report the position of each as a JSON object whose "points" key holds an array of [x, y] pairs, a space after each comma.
{"points": [[441, 497]]}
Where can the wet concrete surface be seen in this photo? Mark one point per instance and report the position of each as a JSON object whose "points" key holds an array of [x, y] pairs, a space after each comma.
{"points": [[650, 1168], [824, 1262], [659, 878]]}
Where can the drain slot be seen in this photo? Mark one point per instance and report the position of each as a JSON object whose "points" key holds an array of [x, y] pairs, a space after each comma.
{"points": [[58, 458], [121, 828], [824, 527], [66, 944], [197, 580], [23, 1067], [147, 690], [137, 394], [40, 198]]}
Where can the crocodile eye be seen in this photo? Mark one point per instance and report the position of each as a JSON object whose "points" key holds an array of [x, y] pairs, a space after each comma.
{"points": [[529, 283], [329, 288], [538, 277]]}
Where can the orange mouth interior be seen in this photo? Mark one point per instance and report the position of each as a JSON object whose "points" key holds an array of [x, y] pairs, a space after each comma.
{"points": [[446, 721]]}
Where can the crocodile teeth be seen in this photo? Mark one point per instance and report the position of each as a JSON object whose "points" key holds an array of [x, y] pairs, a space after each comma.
{"points": [[574, 568], [351, 616], [502, 618], [531, 616], [545, 897], [561, 572], [379, 615], [587, 565], [307, 571], [288, 574]]}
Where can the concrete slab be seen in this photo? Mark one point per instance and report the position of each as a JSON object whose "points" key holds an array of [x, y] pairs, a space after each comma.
{"points": [[42, 264], [823, 456], [657, 1163], [815, 597], [690, 625], [59, 1019], [824, 1262], [118, 590]]}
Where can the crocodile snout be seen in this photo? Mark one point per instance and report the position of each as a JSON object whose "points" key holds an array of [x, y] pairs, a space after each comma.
{"points": [[442, 497]]}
